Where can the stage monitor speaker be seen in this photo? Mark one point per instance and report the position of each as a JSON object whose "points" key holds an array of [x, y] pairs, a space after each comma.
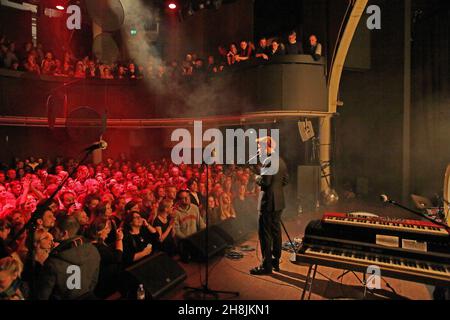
{"points": [[232, 230], [193, 247], [308, 185], [158, 274]]}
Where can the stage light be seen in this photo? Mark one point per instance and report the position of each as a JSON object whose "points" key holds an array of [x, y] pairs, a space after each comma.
{"points": [[172, 6], [60, 7]]}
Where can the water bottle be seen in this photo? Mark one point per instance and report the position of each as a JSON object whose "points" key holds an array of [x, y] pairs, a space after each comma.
{"points": [[141, 292]]}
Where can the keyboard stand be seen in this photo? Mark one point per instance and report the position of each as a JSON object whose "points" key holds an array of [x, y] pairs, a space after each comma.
{"points": [[311, 276], [309, 281]]}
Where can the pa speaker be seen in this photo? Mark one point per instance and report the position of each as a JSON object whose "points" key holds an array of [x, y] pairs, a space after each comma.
{"points": [[232, 230], [158, 274], [308, 184], [194, 247]]}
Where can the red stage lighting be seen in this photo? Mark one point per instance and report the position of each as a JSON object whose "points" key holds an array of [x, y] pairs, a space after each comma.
{"points": [[60, 7], [172, 6]]}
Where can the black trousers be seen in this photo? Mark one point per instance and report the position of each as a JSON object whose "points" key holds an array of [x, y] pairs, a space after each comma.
{"points": [[269, 231]]}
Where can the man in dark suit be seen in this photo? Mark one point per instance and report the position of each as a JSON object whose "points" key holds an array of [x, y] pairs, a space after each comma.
{"points": [[270, 206]]}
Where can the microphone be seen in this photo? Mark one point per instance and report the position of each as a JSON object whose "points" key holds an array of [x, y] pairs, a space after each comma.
{"points": [[98, 145], [384, 198]]}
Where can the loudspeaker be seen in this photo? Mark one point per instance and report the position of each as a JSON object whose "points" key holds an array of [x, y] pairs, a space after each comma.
{"points": [[158, 274], [193, 247], [232, 230], [308, 184], [306, 130]]}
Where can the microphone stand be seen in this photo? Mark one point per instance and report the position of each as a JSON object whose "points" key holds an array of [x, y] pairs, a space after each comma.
{"points": [[204, 288], [417, 213], [40, 210]]}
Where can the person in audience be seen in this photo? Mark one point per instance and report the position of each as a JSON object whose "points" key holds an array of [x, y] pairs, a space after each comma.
{"points": [[46, 221], [139, 238], [176, 179], [110, 256], [80, 72], [10, 56], [211, 67], [67, 68], [107, 74], [67, 200], [25, 51], [148, 205], [48, 65], [294, 46], [5, 230], [73, 250], [132, 72], [263, 50], [164, 224], [31, 65], [92, 71], [15, 66], [222, 51], [187, 217], [232, 54], [43, 244], [121, 72], [188, 66], [196, 197], [11, 286], [83, 220], [119, 210], [226, 207], [213, 211], [90, 204], [315, 48], [17, 222], [103, 210], [171, 194], [277, 49], [245, 51], [39, 53], [160, 194], [228, 186]]}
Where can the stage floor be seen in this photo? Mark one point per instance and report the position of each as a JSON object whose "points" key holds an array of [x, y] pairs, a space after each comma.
{"points": [[233, 275]]}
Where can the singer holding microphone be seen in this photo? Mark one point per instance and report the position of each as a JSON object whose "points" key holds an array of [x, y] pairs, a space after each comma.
{"points": [[271, 204]]}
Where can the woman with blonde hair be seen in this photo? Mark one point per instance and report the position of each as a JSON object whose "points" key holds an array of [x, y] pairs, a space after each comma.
{"points": [[225, 207], [11, 287]]}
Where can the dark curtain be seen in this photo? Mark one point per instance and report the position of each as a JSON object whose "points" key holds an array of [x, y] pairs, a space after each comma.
{"points": [[431, 99], [15, 25]]}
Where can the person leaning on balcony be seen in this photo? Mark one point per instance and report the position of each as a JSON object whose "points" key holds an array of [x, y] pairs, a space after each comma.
{"points": [[277, 48], [315, 48], [293, 45]]}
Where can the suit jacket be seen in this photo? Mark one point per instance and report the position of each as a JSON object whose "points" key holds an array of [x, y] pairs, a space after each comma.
{"points": [[271, 196]]}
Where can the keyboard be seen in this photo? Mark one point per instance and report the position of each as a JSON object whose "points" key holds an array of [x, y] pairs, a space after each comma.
{"points": [[404, 254], [413, 226]]}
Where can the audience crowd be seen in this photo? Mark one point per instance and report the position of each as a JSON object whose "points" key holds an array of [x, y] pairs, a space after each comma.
{"points": [[110, 215], [105, 218], [43, 62]]}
